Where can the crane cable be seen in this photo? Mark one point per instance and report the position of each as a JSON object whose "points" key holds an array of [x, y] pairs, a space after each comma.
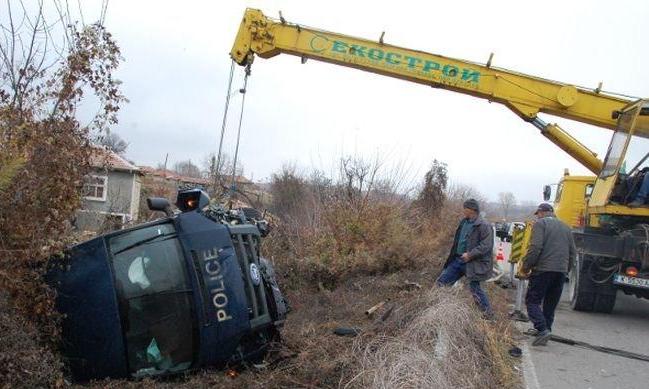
{"points": [[225, 117], [607, 350], [236, 150]]}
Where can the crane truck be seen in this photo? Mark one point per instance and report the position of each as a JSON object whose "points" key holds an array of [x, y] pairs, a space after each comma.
{"points": [[612, 238]]}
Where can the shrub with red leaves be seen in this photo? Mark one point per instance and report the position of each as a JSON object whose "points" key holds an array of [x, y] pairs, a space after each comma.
{"points": [[44, 155]]}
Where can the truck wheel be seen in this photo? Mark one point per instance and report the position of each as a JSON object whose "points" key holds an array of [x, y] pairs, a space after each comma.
{"points": [[604, 303], [582, 297], [585, 294]]}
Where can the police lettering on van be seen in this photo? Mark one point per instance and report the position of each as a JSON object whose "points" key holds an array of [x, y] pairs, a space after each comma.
{"points": [[218, 295]]}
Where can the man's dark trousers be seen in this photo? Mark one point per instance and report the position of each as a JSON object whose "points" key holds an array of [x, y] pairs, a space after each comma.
{"points": [[544, 288], [456, 270]]}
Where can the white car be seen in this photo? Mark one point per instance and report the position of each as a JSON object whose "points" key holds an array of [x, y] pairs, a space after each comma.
{"points": [[512, 226]]}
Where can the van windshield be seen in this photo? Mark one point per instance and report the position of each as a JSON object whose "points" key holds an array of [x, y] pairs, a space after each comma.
{"points": [[155, 299]]}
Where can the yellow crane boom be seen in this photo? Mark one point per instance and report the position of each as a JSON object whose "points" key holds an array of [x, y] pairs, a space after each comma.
{"points": [[525, 95]]}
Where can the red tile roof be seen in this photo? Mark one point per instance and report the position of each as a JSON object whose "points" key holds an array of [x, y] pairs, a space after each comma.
{"points": [[171, 175], [168, 174], [103, 158]]}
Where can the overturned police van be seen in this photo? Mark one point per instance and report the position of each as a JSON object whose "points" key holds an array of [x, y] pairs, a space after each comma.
{"points": [[186, 291]]}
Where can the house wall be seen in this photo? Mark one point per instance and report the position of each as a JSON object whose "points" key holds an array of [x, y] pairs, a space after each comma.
{"points": [[122, 192]]}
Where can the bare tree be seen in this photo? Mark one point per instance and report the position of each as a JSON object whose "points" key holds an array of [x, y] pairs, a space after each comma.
{"points": [[432, 195], [187, 168], [221, 176], [113, 142], [459, 192], [288, 189], [506, 201], [358, 177], [226, 164]]}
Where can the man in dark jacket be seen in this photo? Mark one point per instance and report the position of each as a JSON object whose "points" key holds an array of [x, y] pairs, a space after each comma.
{"points": [[471, 255], [548, 258]]}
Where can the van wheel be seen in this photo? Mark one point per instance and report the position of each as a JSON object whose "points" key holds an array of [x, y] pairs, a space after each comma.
{"points": [[252, 213]]}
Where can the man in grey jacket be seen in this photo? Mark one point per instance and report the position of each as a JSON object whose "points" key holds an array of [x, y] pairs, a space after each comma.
{"points": [[550, 253], [471, 255]]}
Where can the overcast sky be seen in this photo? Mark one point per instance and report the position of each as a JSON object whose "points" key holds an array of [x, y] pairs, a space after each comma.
{"points": [[177, 63]]}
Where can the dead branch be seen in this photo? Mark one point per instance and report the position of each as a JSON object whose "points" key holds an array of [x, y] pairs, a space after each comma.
{"points": [[374, 308]]}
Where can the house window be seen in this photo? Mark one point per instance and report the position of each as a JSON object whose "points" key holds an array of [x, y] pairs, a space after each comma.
{"points": [[94, 188]]}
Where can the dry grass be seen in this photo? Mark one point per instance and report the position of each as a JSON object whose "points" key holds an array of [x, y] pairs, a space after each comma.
{"points": [[383, 236], [24, 361], [440, 341]]}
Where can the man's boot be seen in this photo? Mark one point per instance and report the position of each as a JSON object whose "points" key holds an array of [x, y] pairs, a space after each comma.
{"points": [[542, 338], [637, 203]]}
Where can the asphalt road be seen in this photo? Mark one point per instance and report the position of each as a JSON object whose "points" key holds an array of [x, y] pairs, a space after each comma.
{"points": [[562, 366]]}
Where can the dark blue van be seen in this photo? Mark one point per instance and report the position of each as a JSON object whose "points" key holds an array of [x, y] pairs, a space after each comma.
{"points": [[187, 291]]}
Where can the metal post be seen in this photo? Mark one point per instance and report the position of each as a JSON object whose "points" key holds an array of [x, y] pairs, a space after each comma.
{"points": [[519, 295], [518, 314]]}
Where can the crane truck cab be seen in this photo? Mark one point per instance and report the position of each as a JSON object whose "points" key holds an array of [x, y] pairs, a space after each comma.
{"points": [[570, 198], [186, 291]]}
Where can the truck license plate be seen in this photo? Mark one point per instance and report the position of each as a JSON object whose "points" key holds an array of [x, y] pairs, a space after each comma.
{"points": [[631, 281]]}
